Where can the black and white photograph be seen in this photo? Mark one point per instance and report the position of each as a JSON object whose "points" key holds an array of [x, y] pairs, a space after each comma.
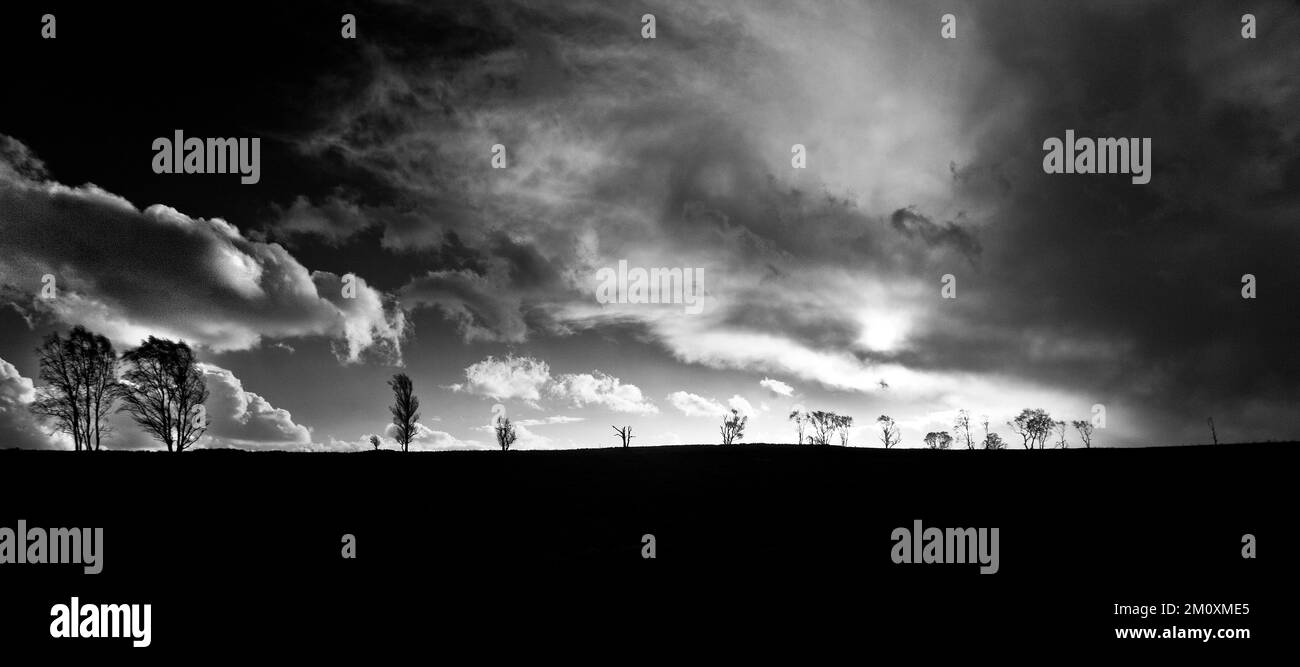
{"points": [[806, 329]]}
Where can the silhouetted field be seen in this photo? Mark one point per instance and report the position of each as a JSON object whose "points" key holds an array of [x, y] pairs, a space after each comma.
{"points": [[752, 538]]}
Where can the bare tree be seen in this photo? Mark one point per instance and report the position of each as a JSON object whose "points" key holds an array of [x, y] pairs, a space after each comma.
{"points": [[505, 432], [961, 427], [405, 409], [844, 423], [1213, 433], [800, 419], [1042, 425], [1084, 427], [1020, 426], [1060, 427], [164, 392], [733, 427], [624, 434], [823, 424], [374, 441], [1033, 426], [888, 430], [80, 376]]}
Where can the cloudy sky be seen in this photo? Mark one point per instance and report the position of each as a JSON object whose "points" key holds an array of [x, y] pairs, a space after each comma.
{"points": [[924, 158]]}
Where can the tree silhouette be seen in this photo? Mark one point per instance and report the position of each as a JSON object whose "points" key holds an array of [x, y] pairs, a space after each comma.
{"points": [[823, 424], [1033, 426], [940, 440], [164, 392], [888, 431], [374, 441], [994, 441], [505, 431], [80, 376], [624, 434], [1084, 427], [1060, 427], [843, 423], [800, 419], [1041, 425], [733, 427], [405, 409], [1020, 426], [961, 427], [1213, 433]]}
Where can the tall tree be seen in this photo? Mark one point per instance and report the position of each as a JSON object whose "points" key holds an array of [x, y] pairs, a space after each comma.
{"points": [[800, 418], [164, 392], [80, 385], [505, 431], [888, 430], [405, 409], [1084, 427], [1020, 426], [961, 427], [844, 423]]}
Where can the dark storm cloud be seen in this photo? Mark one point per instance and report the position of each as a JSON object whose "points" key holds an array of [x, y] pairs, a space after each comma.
{"points": [[913, 224], [676, 151], [335, 220], [480, 309], [495, 299], [1139, 286]]}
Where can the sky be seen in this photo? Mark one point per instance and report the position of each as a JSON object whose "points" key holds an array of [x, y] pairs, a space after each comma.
{"points": [[822, 286]]}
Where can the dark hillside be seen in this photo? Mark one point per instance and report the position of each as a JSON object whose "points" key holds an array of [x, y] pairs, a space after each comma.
{"points": [[759, 532]]}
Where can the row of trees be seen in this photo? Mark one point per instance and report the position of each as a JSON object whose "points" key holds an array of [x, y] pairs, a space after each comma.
{"points": [[964, 435], [817, 427], [1034, 426], [825, 426], [158, 384]]}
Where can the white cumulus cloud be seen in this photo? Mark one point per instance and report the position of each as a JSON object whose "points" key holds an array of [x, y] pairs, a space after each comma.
{"points": [[601, 389], [693, 405], [240, 418], [777, 387]]}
